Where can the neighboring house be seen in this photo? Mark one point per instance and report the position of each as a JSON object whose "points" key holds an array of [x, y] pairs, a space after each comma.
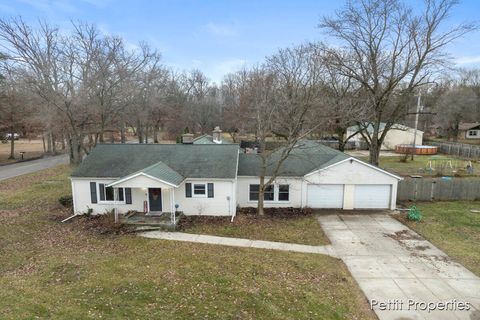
{"points": [[215, 138], [469, 130], [398, 134], [213, 179]]}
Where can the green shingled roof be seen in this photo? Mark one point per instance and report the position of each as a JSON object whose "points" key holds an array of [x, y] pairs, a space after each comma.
{"points": [[204, 139], [161, 171], [186, 160], [307, 157]]}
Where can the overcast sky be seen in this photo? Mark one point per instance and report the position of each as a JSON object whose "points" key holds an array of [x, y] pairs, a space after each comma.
{"points": [[216, 36]]}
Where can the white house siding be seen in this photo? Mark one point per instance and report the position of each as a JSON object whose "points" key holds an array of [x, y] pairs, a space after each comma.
{"points": [[351, 173], [222, 204], [295, 196], [82, 200], [218, 205], [394, 137]]}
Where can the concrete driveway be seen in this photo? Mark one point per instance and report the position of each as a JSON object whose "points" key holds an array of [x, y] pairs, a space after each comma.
{"points": [[394, 265], [18, 169]]}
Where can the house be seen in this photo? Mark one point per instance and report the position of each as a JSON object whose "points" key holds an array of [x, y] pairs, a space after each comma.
{"points": [[469, 130], [213, 179], [215, 138], [398, 134]]}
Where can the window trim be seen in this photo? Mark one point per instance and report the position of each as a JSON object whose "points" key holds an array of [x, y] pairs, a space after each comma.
{"points": [[473, 133], [100, 201], [276, 189], [203, 195], [287, 192]]}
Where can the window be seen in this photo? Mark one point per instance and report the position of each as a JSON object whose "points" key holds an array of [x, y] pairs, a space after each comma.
{"points": [[199, 189], [254, 190], [108, 193], [283, 192], [472, 133], [268, 195]]}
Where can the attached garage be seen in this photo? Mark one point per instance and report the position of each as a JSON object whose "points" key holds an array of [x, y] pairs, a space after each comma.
{"points": [[328, 196], [372, 196]]}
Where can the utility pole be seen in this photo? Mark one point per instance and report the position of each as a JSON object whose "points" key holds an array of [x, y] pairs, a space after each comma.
{"points": [[419, 109]]}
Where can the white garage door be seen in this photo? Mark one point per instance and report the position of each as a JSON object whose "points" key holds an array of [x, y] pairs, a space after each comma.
{"points": [[325, 195], [372, 196]]}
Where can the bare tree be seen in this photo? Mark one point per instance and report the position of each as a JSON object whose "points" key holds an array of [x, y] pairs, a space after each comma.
{"points": [[390, 50], [282, 97]]}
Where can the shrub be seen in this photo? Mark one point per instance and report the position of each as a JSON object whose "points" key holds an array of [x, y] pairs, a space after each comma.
{"points": [[414, 214], [66, 201]]}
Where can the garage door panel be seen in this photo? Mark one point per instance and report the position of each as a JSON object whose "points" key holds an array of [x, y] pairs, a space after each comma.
{"points": [[372, 196], [325, 196]]}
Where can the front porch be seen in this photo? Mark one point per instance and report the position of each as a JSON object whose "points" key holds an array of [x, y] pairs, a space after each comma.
{"points": [[163, 220], [150, 200]]}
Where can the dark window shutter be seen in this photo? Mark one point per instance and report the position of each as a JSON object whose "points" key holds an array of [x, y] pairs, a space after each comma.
{"points": [[93, 192], [188, 190], [101, 186], [128, 195], [210, 190]]}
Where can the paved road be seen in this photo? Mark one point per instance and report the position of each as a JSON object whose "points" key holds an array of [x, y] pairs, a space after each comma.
{"points": [[392, 263], [18, 169]]}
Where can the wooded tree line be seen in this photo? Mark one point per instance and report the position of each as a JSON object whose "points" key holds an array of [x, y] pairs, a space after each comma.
{"points": [[83, 87]]}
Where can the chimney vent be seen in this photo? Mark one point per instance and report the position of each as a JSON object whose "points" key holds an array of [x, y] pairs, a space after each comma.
{"points": [[217, 135], [187, 138]]}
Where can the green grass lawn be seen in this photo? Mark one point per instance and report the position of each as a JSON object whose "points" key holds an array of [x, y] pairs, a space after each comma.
{"points": [[452, 227], [297, 229], [51, 270], [420, 163]]}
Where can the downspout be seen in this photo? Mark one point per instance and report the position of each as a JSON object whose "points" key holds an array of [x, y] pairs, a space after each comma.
{"points": [[234, 190]]}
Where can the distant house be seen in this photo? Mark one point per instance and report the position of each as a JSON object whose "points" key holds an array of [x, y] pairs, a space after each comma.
{"points": [[215, 138], [215, 179], [398, 134], [469, 130]]}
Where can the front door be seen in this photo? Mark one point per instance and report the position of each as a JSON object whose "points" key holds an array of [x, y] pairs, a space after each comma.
{"points": [[155, 199]]}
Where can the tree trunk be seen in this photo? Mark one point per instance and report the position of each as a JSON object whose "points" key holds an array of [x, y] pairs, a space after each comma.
{"points": [[49, 142], [146, 134], [44, 145], [261, 193], [155, 133], [12, 144], [54, 147], [374, 150], [63, 142], [76, 154], [341, 132], [122, 132]]}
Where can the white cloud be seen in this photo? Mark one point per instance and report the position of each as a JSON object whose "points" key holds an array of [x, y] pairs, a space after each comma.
{"points": [[467, 60], [219, 70], [223, 30]]}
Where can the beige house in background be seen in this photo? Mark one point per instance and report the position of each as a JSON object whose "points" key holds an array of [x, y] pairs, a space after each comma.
{"points": [[469, 131], [398, 134]]}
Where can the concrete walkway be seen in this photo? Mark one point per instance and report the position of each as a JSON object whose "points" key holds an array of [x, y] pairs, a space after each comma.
{"points": [[392, 263], [237, 242]]}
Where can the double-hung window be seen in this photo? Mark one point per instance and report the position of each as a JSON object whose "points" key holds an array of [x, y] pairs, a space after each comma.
{"points": [[107, 194], [283, 192], [271, 193], [199, 190]]}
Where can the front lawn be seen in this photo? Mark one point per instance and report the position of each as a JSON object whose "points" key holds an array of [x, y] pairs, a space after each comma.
{"points": [[54, 270], [302, 229], [452, 227]]}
